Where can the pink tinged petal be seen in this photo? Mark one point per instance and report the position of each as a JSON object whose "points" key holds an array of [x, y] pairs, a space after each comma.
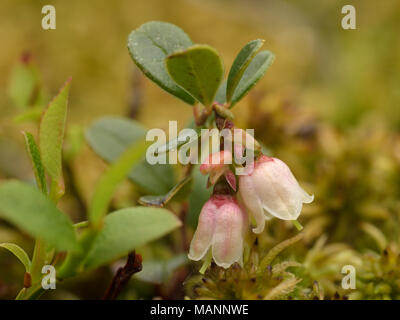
{"points": [[231, 179], [204, 233], [227, 244], [252, 202], [278, 189], [216, 161]]}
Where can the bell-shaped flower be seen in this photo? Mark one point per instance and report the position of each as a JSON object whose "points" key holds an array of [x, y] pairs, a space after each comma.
{"points": [[221, 228], [269, 189]]}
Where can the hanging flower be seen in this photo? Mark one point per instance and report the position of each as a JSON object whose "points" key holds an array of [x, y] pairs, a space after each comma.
{"points": [[269, 189], [221, 226]]}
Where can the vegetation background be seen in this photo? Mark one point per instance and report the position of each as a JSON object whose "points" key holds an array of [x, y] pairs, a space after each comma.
{"points": [[329, 106]]}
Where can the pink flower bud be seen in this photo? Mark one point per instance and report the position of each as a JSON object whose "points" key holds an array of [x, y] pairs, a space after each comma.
{"points": [[216, 165], [221, 226], [216, 162], [270, 190]]}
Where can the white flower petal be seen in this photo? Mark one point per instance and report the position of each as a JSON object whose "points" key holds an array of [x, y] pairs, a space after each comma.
{"points": [[252, 202], [278, 190], [204, 233], [305, 197]]}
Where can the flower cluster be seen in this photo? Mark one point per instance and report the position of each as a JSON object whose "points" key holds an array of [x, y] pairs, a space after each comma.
{"points": [[266, 189]]}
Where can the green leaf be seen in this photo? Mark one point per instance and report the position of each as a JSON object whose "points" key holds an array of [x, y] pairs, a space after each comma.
{"points": [[19, 253], [175, 143], [198, 70], [240, 64], [37, 165], [51, 133], [32, 114], [256, 69], [23, 84], [161, 201], [109, 137], [150, 44], [111, 178], [198, 197], [160, 271], [127, 229], [29, 209], [220, 97]]}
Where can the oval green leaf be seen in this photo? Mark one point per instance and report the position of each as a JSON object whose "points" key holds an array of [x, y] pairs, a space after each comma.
{"points": [[127, 229], [220, 97], [255, 70], [150, 44], [198, 70], [109, 137], [240, 64], [175, 143], [27, 208], [24, 84], [112, 177]]}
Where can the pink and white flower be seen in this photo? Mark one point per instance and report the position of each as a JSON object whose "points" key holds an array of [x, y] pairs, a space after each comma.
{"points": [[269, 189], [221, 228]]}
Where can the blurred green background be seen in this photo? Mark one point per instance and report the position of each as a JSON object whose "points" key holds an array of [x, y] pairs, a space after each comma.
{"points": [[342, 74], [329, 105]]}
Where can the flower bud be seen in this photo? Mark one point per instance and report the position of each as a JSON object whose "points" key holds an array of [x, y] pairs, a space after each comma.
{"points": [[216, 161], [216, 165]]}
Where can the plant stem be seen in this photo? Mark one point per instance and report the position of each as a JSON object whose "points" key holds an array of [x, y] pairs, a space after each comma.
{"points": [[123, 275]]}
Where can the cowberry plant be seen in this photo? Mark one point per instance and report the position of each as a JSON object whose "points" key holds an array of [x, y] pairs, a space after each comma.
{"points": [[227, 210], [195, 74]]}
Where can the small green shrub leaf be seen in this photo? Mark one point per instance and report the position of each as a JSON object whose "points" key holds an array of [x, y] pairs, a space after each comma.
{"points": [[112, 177], [23, 85], [220, 97], [19, 253], [51, 133], [175, 143], [32, 114], [240, 64], [150, 44], [255, 70], [198, 70], [36, 161], [127, 229], [109, 137], [29, 209]]}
